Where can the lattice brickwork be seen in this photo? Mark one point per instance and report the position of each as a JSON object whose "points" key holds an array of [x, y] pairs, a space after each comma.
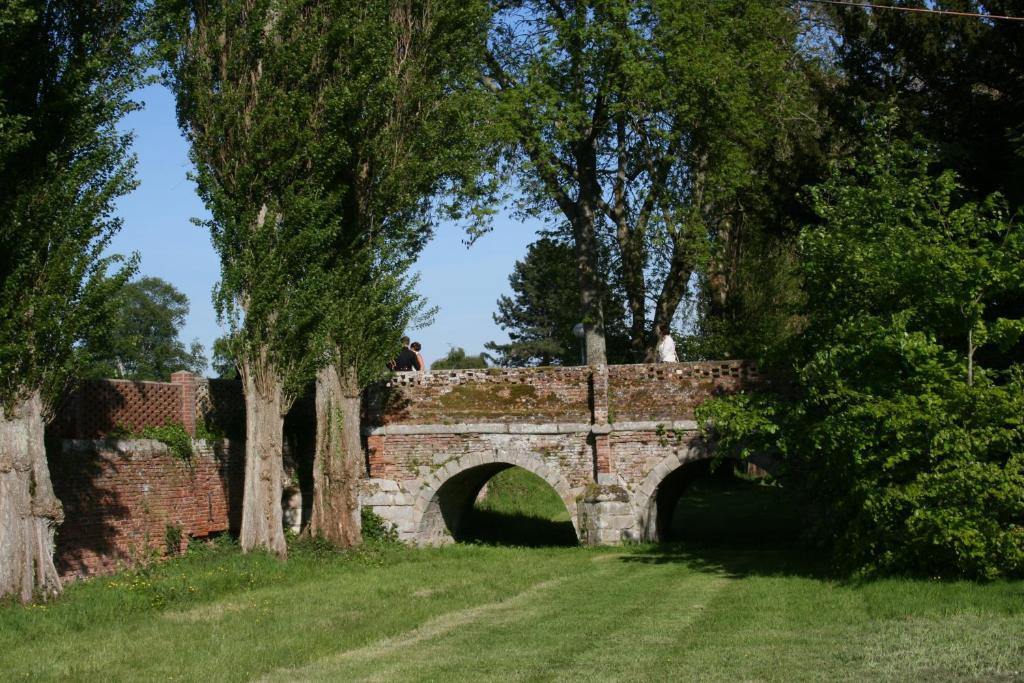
{"points": [[98, 408]]}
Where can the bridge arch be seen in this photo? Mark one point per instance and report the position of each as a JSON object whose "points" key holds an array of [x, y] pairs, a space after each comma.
{"points": [[662, 486], [447, 494]]}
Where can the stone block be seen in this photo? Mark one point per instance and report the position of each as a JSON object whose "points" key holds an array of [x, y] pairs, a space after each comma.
{"points": [[396, 513], [525, 428], [377, 499]]}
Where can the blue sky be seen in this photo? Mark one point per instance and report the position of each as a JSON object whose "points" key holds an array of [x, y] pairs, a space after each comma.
{"points": [[463, 282]]}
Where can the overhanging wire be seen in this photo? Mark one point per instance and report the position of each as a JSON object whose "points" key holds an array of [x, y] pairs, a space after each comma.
{"points": [[917, 10]]}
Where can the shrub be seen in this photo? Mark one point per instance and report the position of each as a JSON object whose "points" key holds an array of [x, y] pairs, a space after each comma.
{"points": [[376, 529], [903, 425], [175, 437]]}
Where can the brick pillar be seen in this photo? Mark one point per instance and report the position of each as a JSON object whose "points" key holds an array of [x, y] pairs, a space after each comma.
{"points": [[187, 381], [602, 455], [376, 457], [600, 429]]}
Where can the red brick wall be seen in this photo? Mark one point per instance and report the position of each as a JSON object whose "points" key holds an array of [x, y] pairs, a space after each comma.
{"points": [[631, 393], [120, 496], [670, 391], [519, 395]]}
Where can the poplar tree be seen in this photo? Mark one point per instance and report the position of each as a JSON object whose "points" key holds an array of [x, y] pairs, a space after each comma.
{"points": [[402, 147], [240, 72], [66, 71], [321, 132]]}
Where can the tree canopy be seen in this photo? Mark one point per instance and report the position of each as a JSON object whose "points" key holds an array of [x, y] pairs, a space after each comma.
{"points": [[458, 360], [908, 447], [67, 71], [67, 75], [141, 339], [540, 315], [659, 128]]}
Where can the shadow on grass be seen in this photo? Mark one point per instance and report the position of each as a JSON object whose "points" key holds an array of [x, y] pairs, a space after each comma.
{"points": [[723, 524], [499, 528], [737, 560]]}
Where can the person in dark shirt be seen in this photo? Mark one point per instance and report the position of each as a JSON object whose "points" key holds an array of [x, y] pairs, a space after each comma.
{"points": [[407, 359]]}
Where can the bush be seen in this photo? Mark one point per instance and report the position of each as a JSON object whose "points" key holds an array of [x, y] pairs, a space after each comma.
{"points": [[376, 529], [175, 437], [903, 424]]}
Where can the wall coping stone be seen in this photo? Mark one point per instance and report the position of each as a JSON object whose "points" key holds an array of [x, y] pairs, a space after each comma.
{"points": [[549, 428], [652, 426]]}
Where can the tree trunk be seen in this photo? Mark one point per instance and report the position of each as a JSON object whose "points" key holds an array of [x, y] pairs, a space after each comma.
{"points": [[339, 458], [587, 265], [262, 518], [29, 511]]}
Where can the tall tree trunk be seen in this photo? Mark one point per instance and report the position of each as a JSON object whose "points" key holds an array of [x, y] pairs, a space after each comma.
{"points": [[590, 294], [29, 510], [262, 519], [339, 457], [587, 263]]}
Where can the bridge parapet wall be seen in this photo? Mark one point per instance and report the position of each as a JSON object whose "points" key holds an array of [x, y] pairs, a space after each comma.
{"points": [[671, 391], [598, 394], [507, 395]]}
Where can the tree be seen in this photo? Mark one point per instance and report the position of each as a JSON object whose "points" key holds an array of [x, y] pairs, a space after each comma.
{"points": [[223, 361], [909, 450], [405, 130], [954, 79], [458, 360], [243, 77], [652, 125], [67, 70], [321, 131], [141, 341], [540, 315]]}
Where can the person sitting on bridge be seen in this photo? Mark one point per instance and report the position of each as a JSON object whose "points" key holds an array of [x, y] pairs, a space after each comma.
{"points": [[666, 345], [407, 359]]}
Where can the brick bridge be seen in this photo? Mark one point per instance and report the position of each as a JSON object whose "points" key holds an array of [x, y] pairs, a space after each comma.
{"points": [[610, 440]]}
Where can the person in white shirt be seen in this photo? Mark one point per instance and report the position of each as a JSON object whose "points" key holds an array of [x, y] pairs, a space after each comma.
{"points": [[666, 346]]}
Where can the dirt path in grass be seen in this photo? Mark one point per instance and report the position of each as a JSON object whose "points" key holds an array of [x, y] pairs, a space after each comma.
{"points": [[387, 649], [604, 621]]}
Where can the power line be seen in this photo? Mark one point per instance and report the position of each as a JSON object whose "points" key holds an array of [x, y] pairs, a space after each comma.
{"points": [[919, 10]]}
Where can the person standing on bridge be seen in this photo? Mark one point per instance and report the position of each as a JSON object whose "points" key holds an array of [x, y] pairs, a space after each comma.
{"points": [[416, 347], [666, 345], [407, 358]]}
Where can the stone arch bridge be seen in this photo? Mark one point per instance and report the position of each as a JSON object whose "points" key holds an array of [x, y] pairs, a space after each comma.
{"points": [[610, 440]]}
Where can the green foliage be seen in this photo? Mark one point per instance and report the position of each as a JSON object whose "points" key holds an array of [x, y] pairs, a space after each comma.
{"points": [[762, 311], [544, 308], [458, 360], [173, 435], [67, 71], [141, 340], [172, 538], [209, 432], [910, 452], [954, 82], [223, 361], [658, 131], [323, 135], [375, 529]]}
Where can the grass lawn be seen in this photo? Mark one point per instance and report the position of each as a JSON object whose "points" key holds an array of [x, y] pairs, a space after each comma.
{"points": [[740, 608]]}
